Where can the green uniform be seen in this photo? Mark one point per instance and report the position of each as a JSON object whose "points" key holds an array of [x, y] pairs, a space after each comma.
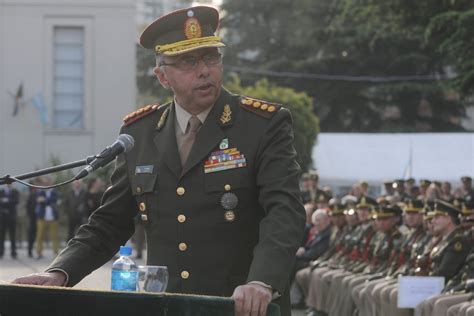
{"points": [[215, 225], [449, 255]]}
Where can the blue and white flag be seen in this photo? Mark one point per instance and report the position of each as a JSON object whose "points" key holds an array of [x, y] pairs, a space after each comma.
{"points": [[38, 102]]}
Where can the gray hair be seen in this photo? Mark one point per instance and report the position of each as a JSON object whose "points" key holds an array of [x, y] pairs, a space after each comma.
{"points": [[158, 59]]}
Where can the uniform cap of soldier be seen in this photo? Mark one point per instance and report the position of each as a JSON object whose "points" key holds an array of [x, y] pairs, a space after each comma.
{"points": [[428, 210], [182, 31], [386, 211], [413, 205], [445, 208], [425, 183], [335, 208], [366, 202], [398, 183]]}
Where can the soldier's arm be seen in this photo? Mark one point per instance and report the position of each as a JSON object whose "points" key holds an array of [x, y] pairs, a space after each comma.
{"points": [[108, 228], [282, 227]]}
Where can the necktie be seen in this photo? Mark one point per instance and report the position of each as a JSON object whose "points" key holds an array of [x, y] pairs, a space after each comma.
{"points": [[189, 138]]}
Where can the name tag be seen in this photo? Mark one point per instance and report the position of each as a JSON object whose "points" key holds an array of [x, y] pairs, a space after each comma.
{"points": [[144, 169]]}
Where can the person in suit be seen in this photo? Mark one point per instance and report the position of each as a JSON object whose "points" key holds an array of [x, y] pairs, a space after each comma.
{"points": [[47, 215], [74, 205], [32, 221], [9, 198], [212, 174]]}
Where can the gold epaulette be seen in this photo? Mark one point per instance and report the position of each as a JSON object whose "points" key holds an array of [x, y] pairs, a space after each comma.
{"points": [[138, 114], [260, 107]]}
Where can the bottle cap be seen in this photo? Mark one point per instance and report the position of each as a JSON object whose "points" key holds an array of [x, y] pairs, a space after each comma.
{"points": [[125, 251]]}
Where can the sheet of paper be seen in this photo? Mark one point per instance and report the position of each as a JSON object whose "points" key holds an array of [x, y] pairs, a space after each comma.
{"points": [[412, 290]]}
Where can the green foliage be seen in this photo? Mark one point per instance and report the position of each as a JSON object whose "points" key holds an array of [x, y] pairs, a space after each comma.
{"points": [[452, 34], [149, 88], [353, 38], [305, 123]]}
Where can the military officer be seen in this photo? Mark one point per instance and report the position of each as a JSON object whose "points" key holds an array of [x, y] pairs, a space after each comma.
{"points": [[448, 256], [213, 176], [401, 259]]}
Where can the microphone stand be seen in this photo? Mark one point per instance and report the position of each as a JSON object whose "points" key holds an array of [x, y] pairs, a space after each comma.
{"points": [[9, 179]]}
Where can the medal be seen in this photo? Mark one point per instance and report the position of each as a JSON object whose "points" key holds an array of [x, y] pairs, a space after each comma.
{"points": [[229, 201]]}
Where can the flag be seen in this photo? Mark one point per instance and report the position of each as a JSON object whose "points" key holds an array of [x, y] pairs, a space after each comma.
{"points": [[18, 99], [407, 173], [38, 103]]}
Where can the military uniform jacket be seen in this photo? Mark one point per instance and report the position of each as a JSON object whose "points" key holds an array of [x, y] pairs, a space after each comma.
{"points": [[188, 225], [449, 255]]}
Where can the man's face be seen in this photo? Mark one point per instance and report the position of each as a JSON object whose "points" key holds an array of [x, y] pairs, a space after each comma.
{"points": [[307, 185], [77, 185], [413, 219], [385, 224], [440, 224], [351, 219], [338, 220], [195, 89], [363, 214], [321, 222]]}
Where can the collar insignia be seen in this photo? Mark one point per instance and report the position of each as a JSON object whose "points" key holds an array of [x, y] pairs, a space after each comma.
{"points": [[226, 116]]}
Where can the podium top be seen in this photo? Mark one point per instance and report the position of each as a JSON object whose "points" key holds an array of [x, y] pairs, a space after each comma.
{"points": [[40, 300]]}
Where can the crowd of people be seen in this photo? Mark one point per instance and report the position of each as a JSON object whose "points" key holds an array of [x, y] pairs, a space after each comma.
{"points": [[355, 248], [43, 209]]}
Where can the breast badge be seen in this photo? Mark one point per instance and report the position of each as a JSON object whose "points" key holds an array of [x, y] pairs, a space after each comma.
{"points": [[226, 159]]}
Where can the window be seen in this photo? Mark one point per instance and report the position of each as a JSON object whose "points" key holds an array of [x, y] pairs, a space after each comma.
{"points": [[68, 80]]}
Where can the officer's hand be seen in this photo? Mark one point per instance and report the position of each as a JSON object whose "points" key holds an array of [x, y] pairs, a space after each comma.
{"points": [[251, 300], [47, 278]]}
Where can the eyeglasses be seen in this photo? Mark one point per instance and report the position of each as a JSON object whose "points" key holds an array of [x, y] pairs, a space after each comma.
{"points": [[191, 62]]}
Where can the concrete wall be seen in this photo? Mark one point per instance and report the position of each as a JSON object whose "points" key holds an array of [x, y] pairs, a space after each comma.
{"points": [[26, 28]]}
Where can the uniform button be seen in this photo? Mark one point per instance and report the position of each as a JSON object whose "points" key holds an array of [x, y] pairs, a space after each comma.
{"points": [[142, 207], [227, 187], [184, 275], [182, 246], [180, 190], [229, 216], [264, 106], [181, 218]]}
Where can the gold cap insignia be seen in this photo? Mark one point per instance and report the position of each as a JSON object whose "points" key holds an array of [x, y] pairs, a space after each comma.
{"points": [[192, 28]]}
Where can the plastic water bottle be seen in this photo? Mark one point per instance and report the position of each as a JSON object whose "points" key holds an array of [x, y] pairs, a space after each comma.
{"points": [[124, 272]]}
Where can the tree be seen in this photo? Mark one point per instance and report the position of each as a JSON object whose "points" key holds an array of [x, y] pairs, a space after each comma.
{"points": [[451, 33], [375, 39], [305, 123], [148, 86]]}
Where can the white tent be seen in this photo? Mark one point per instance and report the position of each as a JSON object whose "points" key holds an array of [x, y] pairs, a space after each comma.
{"points": [[342, 159]]}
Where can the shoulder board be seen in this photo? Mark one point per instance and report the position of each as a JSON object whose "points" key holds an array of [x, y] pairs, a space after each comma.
{"points": [[140, 113], [260, 107]]}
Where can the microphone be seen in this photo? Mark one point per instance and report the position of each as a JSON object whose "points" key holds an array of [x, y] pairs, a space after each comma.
{"points": [[124, 143]]}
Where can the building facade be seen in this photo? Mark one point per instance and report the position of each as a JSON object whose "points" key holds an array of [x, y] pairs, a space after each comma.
{"points": [[67, 77]]}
